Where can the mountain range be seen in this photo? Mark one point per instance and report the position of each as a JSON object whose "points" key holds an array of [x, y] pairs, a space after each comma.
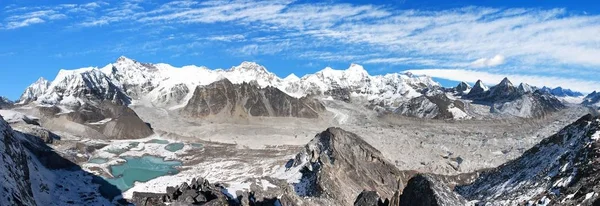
{"points": [[162, 85]]}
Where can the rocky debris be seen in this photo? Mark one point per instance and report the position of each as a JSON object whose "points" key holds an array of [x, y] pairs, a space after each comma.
{"points": [[201, 192], [561, 169], [426, 190], [338, 165], [223, 98]]}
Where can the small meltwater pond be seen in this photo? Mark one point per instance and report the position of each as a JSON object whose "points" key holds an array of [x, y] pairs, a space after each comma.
{"points": [[174, 147], [98, 160], [140, 169], [158, 141]]}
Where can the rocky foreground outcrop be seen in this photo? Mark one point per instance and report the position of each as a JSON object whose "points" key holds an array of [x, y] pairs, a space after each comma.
{"points": [[426, 190], [563, 169], [339, 165], [32, 173], [225, 99]]}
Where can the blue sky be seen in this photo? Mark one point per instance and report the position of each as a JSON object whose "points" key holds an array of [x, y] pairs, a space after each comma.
{"points": [[551, 43]]}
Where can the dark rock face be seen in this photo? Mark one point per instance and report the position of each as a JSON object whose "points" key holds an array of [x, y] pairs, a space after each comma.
{"points": [[224, 98], [591, 99], [339, 165], [16, 186], [462, 87], [199, 192], [504, 91], [124, 122], [23, 182], [5, 103], [561, 169], [432, 106], [370, 198], [426, 190], [478, 90], [339, 94]]}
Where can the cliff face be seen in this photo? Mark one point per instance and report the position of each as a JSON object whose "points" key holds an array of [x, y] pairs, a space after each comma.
{"points": [[31, 173], [223, 98]]}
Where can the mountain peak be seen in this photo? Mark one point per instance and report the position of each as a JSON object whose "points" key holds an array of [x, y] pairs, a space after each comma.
{"points": [[41, 80], [250, 66], [292, 77], [124, 59], [479, 84], [462, 87], [505, 82]]}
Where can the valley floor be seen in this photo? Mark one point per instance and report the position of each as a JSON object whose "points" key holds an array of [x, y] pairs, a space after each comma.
{"points": [[249, 153]]}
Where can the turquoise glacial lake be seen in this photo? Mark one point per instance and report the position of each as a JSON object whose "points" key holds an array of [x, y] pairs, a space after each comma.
{"points": [[141, 169]]}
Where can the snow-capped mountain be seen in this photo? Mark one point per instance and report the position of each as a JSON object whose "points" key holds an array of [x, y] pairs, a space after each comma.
{"points": [[561, 92], [478, 90], [35, 90], [592, 99], [164, 85], [77, 87], [462, 88], [5, 102], [525, 88]]}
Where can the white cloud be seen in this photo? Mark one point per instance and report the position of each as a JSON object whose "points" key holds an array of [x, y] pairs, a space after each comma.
{"points": [[471, 76], [488, 62]]}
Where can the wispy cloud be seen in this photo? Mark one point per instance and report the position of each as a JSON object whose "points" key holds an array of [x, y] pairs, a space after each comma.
{"points": [[24, 22], [469, 37], [227, 38]]}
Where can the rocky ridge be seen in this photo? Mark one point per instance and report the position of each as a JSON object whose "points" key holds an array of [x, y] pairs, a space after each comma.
{"points": [[223, 98]]}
